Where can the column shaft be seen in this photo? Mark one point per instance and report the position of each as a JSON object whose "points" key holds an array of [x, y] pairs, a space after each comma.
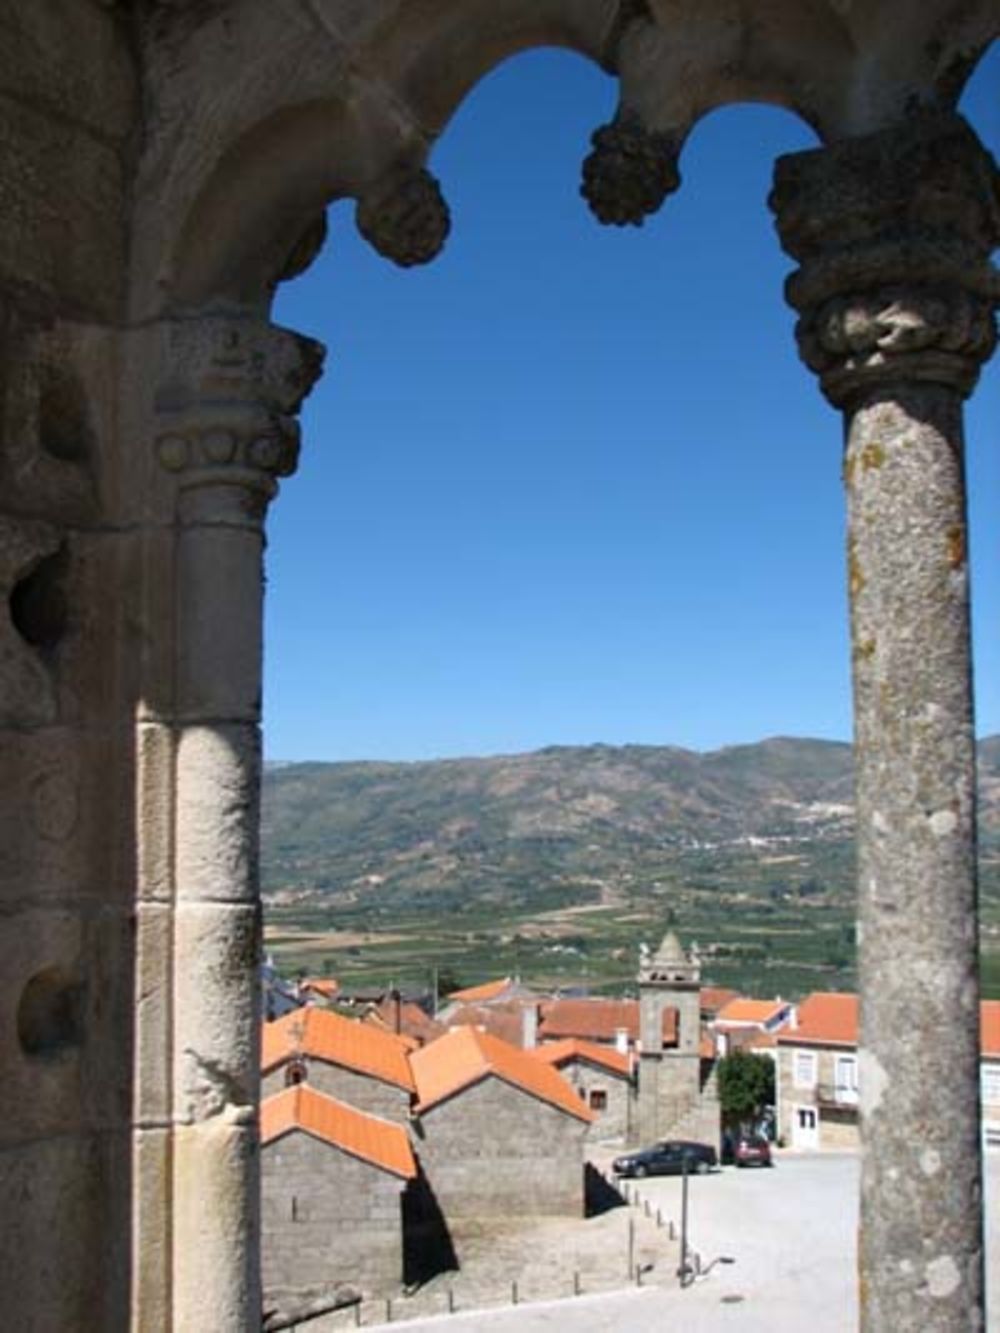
{"points": [[920, 1256]]}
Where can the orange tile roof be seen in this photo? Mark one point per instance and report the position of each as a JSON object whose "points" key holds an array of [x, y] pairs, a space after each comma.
{"points": [[744, 1010], [824, 1018], [989, 1028], [572, 1048], [490, 990], [325, 986], [504, 1019], [324, 1035], [712, 998], [465, 1056], [415, 1027], [599, 1020], [366, 1136]]}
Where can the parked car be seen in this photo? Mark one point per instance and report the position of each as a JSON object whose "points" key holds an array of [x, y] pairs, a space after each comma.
{"points": [[752, 1150], [667, 1159]]}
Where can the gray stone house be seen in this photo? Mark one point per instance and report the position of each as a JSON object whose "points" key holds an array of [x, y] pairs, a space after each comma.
{"points": [[332, 1187], [603, 1079], [499, 1133], [359, 1063]]}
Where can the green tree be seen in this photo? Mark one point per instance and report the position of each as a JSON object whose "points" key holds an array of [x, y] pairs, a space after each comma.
{"points": [[746, 1087]]}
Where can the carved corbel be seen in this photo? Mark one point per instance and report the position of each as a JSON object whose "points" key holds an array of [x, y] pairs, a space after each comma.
{"points": [[893, 232], [404, 216], [630, 172]]}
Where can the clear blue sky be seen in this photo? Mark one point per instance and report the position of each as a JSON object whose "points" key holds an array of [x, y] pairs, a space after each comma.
{"points": [[568, 483]]}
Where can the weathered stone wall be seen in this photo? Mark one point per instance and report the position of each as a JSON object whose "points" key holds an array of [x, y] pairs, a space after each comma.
{"points": [[358, 1090], [328, 1217], [494, 1151], [838, 1126], [68, 681], [613, 1122]]}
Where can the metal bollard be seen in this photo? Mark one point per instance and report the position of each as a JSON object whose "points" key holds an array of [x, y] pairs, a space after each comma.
{"points": [[451, 1300], [357, 1315], [513, 1292], [576, 1282]]}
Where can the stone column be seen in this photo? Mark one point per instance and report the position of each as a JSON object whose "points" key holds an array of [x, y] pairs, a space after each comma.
{"points": [[226, 431], [896, 293]]}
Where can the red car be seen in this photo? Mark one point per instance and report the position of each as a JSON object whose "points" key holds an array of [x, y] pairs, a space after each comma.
{"points": [[752, 1151]]}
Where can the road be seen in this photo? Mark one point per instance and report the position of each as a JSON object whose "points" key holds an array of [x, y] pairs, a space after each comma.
{"points": [[791, 1234]]}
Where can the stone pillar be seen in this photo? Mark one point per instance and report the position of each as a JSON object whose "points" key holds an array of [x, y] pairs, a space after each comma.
{"points": [[896, 293], [225, 432]]}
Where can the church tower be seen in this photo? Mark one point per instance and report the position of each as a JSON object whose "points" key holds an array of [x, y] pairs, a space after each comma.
{"points": [[669, 1102]]}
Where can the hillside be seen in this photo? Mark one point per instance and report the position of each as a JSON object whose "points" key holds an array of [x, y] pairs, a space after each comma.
{"points": [[566, 823], [572, 854]]}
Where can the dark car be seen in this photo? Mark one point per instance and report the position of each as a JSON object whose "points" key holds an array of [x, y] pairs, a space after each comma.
{"points": [[752, 1150], [667, 1159]]}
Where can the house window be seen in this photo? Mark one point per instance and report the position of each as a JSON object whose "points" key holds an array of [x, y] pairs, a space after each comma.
{"points": [[598, 1099], [846, 1086], [295, 1072], [804, 1069], [991, 1084]]}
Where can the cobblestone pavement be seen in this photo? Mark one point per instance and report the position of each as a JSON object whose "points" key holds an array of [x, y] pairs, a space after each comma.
{"points": [[791, 1234]]}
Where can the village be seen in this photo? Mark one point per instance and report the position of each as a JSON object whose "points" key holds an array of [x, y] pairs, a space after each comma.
{"points": [[403, 1150]]}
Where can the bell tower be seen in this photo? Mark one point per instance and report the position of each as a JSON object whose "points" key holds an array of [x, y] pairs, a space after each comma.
{"points": [[669, 1073]]}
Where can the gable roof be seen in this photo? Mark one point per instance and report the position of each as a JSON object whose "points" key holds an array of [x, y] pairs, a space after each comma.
{"points": [[989, 1028], [713, 998], [324, 1035], [377, 1141], [825, 1018], [465, 1056], [599, 1020], [504, 1019], [490, 990], [572, 1048], [415, 1026], [742, 1009], [327, 987]]}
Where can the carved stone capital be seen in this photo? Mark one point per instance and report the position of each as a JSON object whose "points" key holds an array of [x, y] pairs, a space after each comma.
{"points": [[404, 216], [630, 171], [226, 406], [894, 233]]}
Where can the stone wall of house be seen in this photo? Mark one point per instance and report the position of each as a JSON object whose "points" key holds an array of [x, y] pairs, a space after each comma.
{"points": [[328, 1217], [837, 1125], [495, 1151], [613, 1122], [358, 1090]]}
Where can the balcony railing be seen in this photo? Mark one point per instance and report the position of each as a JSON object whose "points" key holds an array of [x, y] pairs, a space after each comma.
{"points": [[836, 1094]]}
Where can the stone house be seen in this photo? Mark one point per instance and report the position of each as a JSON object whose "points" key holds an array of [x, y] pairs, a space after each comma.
{"points": [[358, 1063], [990, 1070], [817, 1084], [818, 1073], [499, 1132], [332, 1185], [602, 1077]]}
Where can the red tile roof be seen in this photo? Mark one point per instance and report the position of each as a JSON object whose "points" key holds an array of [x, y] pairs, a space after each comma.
{"points": [[504, 1019], [712, 998], [490, 990], [327, 987], [324, 1035], [414, 1024], [366, 1136], [572, 1048], [599, 1020], [825, 1018], [745, 1010], [465, 1056], [989, 1028]]}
